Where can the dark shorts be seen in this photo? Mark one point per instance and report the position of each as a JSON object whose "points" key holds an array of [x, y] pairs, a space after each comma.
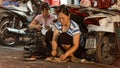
{"points": [[65, 38], [49, 35]]}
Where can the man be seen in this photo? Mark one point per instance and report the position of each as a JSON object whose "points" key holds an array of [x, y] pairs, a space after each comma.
{"points": [[67, 32], [43, 20]]}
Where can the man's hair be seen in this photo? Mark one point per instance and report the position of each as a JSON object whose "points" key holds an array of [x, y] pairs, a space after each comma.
{"points": [[64, 9], [45, 6]]}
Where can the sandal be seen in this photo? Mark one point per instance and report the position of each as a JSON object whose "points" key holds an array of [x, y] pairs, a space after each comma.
{"points": [[32, 58]]}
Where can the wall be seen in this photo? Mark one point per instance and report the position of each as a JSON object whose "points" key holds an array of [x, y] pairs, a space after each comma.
{"points": [[1, 1]]}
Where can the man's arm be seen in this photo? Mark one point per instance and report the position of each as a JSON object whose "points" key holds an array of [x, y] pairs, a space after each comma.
{"points": [[34, 25], [54, 42], [76, 42]]}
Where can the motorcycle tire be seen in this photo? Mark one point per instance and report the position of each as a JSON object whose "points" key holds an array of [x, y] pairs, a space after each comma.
{"points": [[7, 38], [102, 54]]}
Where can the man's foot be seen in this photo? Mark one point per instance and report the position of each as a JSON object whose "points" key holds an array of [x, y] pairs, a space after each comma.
{"points": [[32, 58]]}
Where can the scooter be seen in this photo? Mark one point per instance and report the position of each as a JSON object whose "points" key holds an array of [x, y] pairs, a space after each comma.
{"points": [[103, 36], [14, 21], [102, 39]]}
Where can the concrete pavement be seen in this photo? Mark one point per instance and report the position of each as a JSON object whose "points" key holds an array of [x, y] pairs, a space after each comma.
{"points": [[12, 57]]}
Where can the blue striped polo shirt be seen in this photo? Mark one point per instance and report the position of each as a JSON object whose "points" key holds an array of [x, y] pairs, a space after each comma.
{"points": [[73, 29]]}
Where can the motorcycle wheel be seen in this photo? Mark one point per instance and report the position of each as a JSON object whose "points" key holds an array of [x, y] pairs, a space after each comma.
{"points": [[7, 38], [102, 54]]}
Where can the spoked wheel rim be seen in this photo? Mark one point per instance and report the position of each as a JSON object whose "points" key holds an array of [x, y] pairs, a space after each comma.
{"points": [[103, 52], [7, 37]]}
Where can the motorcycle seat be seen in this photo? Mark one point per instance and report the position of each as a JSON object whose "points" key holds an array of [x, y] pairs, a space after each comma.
{"points": [[21, 9]]}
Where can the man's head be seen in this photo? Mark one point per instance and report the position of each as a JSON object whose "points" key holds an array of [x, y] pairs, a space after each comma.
{"points": [[63, 14], [45, 9]]}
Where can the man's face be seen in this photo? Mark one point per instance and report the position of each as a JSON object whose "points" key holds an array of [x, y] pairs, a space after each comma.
{"points": [[63, 18], [45, 13]]}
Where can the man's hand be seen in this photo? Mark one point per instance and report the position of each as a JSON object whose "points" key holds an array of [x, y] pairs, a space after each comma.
{"points": [[63, 57], [54, 53], [38, 27], [47, 27]]}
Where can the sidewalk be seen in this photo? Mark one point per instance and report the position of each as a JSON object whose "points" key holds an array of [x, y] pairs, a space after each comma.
{"points": [[11, 58]]}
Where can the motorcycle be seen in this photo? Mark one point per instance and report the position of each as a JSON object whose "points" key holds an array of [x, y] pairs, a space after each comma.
{"points": [[101, 41], [14, 21], [101, 38]]}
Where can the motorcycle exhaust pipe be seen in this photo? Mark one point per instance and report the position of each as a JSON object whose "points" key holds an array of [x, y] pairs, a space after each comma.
{"points": [[18, 31]]}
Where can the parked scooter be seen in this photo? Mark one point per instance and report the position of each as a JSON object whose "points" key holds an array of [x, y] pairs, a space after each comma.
{"points": [[101, 38], [14, 21]]}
